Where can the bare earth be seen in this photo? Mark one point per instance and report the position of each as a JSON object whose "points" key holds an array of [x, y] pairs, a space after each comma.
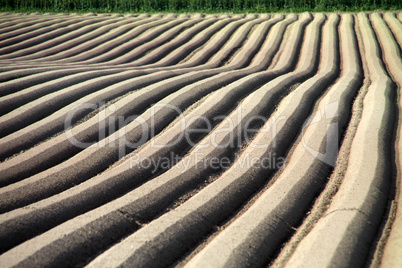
{"points": [[200, 140]]}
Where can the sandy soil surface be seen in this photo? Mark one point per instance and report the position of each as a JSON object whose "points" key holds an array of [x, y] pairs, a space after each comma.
{"points": [[200, 140]]}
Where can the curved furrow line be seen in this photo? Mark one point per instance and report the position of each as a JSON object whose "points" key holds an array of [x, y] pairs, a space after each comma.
{"points": [[345, 233], [216, 44], [158, 49], [30, 79], [120, 49], [202, 86], [12, 101], [155, 17], [87, 35], [153, 52], [117, 33], [54, 123], [161, 51], [174, 51], [267, 222], [122, 42], [255, 46], [11, 23], [180, 52], [18, 18], [157, 33], [9, 72], [51, 103], [395, 26], [14, 142], [198, 216], [250, 44], [200, 140], [63, 201], [88, 30], [22, 42], [15, 74], [16, 28], [262, 48], [116, 175], [11, 129], [226, 40], [12, 75], [222, 43], [335, 180], [392, 59], [34, 31], [18, 99], [168, 35], [91, 128]]}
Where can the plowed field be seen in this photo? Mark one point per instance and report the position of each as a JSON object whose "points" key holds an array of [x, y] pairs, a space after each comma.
{"points": [[200, 140]]}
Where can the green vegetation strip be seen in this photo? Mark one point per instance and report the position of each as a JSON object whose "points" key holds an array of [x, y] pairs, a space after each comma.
{"points": [[205, 6]]}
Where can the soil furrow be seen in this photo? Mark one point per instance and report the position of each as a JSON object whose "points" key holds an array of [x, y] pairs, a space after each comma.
{"points": [[306, 62], [251, 48], [89, 31], [148, 36], [35, 30], [202, 87], [13, 101], [158, 50], [392, 59], [98, 191], [155, 24], [13, 27], [115, 34], [352, 219], [395, 27], [200, 140], [22, 28], [149, 24], [98, 34], [6, 50], [272, 217], [29, 80], [209, 207]]}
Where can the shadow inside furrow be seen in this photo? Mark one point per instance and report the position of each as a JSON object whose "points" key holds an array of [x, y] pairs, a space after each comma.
{"points": [[41, 221], [210, 85], [150, 37], [89, 31], [227, 202], [51, 106], [43, 51], [82, 245], [153, 54], [22, 97], [118, 35], [11, 48], [97, 196], [6, 33], [114, 185]]}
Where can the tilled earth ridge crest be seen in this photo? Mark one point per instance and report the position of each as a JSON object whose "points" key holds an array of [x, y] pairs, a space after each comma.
{"points": [[193, 140]]}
